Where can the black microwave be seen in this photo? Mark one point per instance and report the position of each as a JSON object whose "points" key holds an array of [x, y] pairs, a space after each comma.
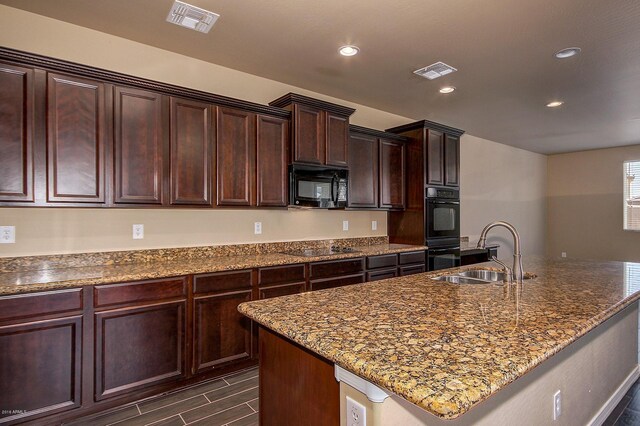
{"points": [[320, 187]]}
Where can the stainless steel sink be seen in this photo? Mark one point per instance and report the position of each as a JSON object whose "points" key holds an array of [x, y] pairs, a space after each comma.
{"points": [[483, 274], [457, 279], [477, 276]]}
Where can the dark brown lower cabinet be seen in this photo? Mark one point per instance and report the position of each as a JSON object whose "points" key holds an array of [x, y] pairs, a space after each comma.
{"points": [[40, 354], [222, 335], [295, 383], [382, 274], [139, 347], [411, 270], [335, 282], [40, 367]]}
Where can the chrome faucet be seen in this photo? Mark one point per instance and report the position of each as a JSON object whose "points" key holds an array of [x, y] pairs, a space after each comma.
{"points": [[517, 255]]}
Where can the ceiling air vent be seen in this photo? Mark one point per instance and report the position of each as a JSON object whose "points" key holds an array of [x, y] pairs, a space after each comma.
{"points": [[434, 71], [192, 17]]}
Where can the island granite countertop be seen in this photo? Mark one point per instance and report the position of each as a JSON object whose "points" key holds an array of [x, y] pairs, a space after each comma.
{"points": [[40, 273], [446, 347]]}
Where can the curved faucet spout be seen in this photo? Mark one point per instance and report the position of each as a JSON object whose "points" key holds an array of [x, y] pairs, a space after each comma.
{"points": [[517, 255]]}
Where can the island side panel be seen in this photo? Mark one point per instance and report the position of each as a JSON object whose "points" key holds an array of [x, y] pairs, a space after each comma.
{"points": [[296, 385]]}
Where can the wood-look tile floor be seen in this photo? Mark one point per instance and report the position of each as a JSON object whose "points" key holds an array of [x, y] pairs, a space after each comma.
{"points": [[229, 400], [627, 412]]}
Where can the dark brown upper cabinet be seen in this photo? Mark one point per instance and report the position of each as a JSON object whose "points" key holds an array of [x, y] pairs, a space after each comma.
{"points": [[191, 152], [76, 139], [251, 159], [139, 146], [320, 130], [16, 133], [363, 171], [272, 156], [376, 169], [451, 160], [435, 158], [235, 157], [392, 174]]}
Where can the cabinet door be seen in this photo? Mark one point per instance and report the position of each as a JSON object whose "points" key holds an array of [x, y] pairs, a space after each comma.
{"points": [[75, 139], [392, 174], [139, 146], [337, 140], [235, 159], [222, 334], [363, 171], [435, 158], [16, 133], [309, 137], [326, 283], [452, 160], [138, 347], [40, 371], [191, 152], [272, 142]]}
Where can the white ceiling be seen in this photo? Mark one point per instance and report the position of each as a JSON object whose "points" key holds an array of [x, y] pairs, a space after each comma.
{"points": [[503, 50]]}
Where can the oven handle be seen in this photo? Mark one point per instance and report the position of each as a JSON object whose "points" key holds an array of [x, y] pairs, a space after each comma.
{"points": [[443, 250], [444, 202]]}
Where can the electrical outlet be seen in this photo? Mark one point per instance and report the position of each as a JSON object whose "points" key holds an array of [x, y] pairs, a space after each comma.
{"points": [[356, 413], [557, 405], [7, 234], [257, 228], [374, 225], [345, 225], [564, 254], [138, 232]]}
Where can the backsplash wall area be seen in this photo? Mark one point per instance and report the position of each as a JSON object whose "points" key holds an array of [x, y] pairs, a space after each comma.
{"points": [[57, 230]]}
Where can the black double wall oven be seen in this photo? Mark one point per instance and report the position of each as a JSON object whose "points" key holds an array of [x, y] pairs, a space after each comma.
{"points": [[442, 227]]}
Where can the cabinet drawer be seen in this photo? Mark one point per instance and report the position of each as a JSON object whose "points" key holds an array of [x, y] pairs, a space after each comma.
{"points": [[412, 257], [280, 274], [336, 268], [113, 294], [45, 303], [382, 274], [336, 282], [410, 270], [281, 290], [383, 261], [222, 281]]}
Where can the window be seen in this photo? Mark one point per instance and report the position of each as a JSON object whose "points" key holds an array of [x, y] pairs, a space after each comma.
{"points": [[632, 195]]}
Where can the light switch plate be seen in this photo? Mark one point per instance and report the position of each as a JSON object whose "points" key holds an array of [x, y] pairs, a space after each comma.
{"points": [[138, 232], [7, 234], [374, 225], [345, 225]]}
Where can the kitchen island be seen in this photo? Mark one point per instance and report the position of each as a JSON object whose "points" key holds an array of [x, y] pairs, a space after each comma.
{"points": [[440, 350]]}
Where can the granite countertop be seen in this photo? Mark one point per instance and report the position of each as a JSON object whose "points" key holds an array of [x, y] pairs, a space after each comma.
{"points": [[49, 275], [446, 347]]}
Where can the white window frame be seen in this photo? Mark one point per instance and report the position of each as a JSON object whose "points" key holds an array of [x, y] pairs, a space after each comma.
{"points": [[627, 193]]}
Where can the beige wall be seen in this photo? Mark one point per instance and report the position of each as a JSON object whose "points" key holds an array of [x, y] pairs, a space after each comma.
{"points": [[585, 200], [42, 231], [499, 182]]}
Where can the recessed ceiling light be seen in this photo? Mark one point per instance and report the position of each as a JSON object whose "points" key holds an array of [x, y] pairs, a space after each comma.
{"points": [[567, 53], [348, 50], [447, 89], [554, 104], [191, 17]]}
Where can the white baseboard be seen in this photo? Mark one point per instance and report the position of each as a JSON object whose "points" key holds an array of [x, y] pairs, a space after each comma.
{"points": [[615, 399]]}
